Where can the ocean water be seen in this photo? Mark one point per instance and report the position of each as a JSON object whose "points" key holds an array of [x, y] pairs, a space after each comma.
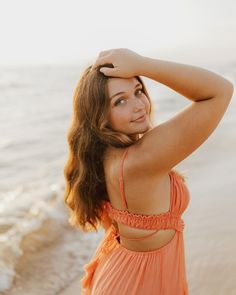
{"points": [[36, 240]]}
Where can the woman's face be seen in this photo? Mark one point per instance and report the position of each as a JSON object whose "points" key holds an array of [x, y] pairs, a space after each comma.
{"points": [[127, 102]]}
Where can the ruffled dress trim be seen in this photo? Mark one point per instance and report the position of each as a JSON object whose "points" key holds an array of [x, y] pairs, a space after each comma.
{"points": [[167, 220]]}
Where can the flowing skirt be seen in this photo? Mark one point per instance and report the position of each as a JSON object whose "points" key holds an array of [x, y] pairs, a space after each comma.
{"points": [[117, 270]]}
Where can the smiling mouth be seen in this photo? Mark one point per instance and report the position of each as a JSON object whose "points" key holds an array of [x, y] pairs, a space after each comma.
{"points": [[140, 118]]}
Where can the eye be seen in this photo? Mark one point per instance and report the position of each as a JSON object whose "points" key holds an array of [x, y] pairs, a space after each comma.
{"points": [[139, 91], [118, 101]]}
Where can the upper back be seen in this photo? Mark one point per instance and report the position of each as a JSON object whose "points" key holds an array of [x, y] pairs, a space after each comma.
{"points": [[144, 193], [162, 199]]}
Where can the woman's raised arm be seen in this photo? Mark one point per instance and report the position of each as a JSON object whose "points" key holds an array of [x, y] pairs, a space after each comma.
{"points": [[167, 144]]}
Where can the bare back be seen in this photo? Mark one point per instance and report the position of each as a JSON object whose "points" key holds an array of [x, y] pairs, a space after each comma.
{"points": [[144, 195]]}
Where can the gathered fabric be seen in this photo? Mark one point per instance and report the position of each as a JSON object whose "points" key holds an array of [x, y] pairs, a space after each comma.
{"points": [[116, 270], [163, 221]]}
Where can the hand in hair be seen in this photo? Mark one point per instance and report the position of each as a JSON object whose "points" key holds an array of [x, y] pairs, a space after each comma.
{"points": [[126, 63]]}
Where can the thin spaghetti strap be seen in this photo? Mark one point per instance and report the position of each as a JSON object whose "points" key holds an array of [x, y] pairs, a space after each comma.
{"points": [[121, 181], [137, 239]]}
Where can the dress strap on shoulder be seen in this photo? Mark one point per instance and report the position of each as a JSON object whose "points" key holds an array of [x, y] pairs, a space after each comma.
{"points": [[121, 181]]}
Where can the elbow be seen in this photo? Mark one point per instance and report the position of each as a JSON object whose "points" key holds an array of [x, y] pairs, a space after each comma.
{"points": [[227, 89], [231, 89]]}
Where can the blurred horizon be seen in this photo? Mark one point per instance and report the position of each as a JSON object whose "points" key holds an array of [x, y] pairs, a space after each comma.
{"points": [[73, 32]]}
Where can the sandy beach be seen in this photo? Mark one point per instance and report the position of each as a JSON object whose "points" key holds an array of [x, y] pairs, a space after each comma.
{"points": [[210, 231]]}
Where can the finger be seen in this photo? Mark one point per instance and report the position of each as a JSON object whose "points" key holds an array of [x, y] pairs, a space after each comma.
{"points": [[109, 71], [104, 52], [100, 61]]}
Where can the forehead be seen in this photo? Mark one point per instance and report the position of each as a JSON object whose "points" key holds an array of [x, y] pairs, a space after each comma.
{"points": [[115, 85]]}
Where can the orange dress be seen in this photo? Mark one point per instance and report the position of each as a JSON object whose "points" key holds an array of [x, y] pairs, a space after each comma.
{"points": [[116, 270]]}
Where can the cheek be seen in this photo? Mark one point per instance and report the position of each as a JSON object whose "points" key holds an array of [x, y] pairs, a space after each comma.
{"points": [[118, 116], [113, 117]]}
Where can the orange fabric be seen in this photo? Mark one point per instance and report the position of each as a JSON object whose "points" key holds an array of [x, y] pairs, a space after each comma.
{"points": [[117, 270]]}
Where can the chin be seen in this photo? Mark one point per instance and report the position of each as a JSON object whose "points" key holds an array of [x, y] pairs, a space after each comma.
{"points": [[146, 129]]}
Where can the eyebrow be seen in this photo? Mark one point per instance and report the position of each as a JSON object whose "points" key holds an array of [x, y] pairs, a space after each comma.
{"points": [[122, 92]]}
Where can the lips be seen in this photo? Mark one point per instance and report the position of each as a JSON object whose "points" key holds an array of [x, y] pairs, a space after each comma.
{"points": [[141, 117]]}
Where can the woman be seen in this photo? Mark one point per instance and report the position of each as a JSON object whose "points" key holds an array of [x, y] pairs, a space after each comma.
{"points": [[113, 142]]}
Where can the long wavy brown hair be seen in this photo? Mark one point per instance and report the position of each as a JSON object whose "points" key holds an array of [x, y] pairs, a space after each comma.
{"points": [[88, 137]]}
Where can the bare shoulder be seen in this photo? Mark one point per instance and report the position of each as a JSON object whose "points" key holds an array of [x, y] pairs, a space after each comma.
{"points": [[167, 144], [133, 168], [137, 162], [137, 181]]}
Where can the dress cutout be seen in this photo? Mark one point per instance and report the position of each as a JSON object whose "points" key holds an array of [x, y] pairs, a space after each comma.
{"points": [[117, 270]]}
